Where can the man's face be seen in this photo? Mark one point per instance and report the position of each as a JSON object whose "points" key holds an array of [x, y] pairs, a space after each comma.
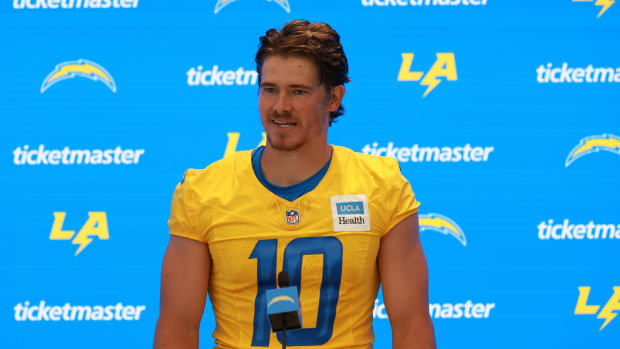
{"points": [[294, 108]]}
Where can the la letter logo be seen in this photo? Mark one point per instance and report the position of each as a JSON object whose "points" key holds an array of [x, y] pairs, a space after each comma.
{"points": [[444, 66], [608, 311], [96, 225]]}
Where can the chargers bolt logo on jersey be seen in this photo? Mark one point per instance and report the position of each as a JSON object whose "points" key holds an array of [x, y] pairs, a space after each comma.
{"points": [[442, 224], [444, 66], [292, 217], [605, 5], [350, 212], [593, 144], [82, 68], [223, 3], [281, 299]]}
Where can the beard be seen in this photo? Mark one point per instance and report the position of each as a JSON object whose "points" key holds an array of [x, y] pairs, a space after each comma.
{"points": [[284, 142]]}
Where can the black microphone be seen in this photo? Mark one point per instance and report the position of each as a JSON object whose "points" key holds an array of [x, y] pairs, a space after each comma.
{"points": [[283, 307], [283, 279]]}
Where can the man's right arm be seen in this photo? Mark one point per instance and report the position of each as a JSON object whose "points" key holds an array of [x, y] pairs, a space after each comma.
{"points": [[184, 283]]}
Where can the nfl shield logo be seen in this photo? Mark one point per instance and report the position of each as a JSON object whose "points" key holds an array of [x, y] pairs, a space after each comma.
{"points": [[292, 217]]}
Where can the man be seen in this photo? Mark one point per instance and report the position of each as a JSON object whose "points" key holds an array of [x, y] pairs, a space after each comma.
{"points": [[338, 222]]}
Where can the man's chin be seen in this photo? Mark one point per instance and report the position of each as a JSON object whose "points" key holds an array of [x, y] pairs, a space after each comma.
{"points": [[282, 144]]}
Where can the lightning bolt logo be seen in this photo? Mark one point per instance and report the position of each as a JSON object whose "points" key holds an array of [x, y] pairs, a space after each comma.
{"points": [[83, 240], [431, 82], [82, 68], [442, 224], [223, 3], [593, 144], [608, 312], [280, 299], [444, 66], [605, 5], [96, 225]]}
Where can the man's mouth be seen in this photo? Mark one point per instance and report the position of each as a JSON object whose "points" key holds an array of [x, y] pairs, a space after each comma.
{"points": [[284, 123]]}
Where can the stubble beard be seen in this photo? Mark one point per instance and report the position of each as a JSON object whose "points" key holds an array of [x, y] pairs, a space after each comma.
{"points": [[282, 143]]}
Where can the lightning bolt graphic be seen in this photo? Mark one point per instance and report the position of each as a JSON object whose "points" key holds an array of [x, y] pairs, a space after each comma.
{"points": [[96, 225], [592, 144], [431, 82], [606, 4], [613, 304], [82, 68], [83, 240], [85, 69], [442, 224], [281, 298], [607, 142]]}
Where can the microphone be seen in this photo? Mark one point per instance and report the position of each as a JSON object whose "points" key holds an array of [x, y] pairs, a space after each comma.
{"points": [[283, 280], [283, 306]]}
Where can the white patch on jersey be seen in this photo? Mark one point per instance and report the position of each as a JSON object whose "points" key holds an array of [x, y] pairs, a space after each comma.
{"points": [[350, 212]]}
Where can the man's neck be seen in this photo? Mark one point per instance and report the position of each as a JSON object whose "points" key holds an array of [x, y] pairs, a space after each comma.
{"points": [[285, 168]]}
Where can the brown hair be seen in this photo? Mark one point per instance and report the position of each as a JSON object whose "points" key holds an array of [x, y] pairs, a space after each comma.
{"points": [[317, 41]]}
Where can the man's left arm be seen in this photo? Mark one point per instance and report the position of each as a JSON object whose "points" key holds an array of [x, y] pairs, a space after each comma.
{"points": [[404, 279]]}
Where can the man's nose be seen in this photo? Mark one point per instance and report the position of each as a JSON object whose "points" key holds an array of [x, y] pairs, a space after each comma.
{"points": [[283, 103]]}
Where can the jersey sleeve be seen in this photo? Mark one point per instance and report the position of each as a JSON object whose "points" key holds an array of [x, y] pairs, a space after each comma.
{"points": [[400, 197], [184, 210]]}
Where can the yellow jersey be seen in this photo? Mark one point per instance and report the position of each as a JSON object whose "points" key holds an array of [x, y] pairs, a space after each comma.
{"points": [[327, 240]]}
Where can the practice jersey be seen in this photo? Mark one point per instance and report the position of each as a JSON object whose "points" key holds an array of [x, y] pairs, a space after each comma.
{"points": [[327, 240]]}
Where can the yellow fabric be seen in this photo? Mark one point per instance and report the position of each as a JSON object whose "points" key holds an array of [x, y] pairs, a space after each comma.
{"points": [[225, 206]]}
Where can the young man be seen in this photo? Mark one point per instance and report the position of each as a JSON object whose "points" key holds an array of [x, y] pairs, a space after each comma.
{"points": [[338, 222]]}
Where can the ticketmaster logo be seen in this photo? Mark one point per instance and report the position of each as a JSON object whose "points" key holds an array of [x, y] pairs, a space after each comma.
{"points": [[423, 2], [565, 74], [41, 156], [566, 231], [467, 310], [68, 312], [416, 153], [73, 4], [217, 77]]}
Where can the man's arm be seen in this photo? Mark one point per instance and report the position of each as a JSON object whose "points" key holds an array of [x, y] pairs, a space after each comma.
{"points": [[404, 277], [184, 283]]}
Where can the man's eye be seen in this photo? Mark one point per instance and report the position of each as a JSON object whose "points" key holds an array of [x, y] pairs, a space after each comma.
{"points": [[299, 92], [269, 90]]}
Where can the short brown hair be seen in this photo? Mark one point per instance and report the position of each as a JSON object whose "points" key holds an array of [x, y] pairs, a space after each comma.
{"points": [[317, 41]]}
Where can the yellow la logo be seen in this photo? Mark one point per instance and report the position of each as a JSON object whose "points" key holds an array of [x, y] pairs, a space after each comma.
{"points": [[233, 140], [444, 66], [607, 313], [96, 225]]}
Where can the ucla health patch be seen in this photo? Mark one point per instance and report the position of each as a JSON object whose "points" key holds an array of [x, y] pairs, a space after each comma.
{"points": [[350, 212]]}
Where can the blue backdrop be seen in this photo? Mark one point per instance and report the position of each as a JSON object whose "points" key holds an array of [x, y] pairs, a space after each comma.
{"points": [[502, 114]]}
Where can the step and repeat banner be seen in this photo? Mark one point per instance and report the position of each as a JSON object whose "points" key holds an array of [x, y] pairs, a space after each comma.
{"points": [[503, 115]]}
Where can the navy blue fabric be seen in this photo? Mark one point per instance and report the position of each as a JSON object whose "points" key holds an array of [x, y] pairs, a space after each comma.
{"points": [[294, 191]]}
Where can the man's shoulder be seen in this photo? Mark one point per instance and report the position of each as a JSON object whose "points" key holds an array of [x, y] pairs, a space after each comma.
{"points": [[381, 166], [218, 171]]}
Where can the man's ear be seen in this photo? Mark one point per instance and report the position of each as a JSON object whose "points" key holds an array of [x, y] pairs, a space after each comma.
{"points": [[335, 97]]}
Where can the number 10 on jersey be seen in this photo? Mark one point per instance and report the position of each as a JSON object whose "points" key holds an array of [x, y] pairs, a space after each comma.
{"points": [[266, 252]]}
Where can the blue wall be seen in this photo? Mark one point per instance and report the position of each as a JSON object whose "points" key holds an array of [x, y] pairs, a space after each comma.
{"points": [[514, 155]]}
